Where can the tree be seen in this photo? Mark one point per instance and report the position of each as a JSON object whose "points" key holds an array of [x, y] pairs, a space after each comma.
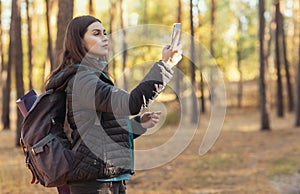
{"points": [[17, 56], [296, 39], [91, 8], [6, 90], [50, 47], [145, 12], [145, 17], [124, 44], [264, 116], [279, 98], [112, 29], [5, 77], [178, 77], [245, 39], [297, 110], [286, 65], [212, 27], [64, 16], [211, 44], [29, 43], [194, 115], [296, 30], [201, 84], [239, 61], [1, 48]]}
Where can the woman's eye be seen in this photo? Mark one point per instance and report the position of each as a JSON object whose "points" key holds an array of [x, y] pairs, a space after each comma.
{"points": [[99, 33]]}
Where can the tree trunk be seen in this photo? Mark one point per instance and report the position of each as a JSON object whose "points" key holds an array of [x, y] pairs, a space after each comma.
{"points": [[124, 45], [91, 8], [1, 48], [201, 84], [297, 111], [194, 115], [145, 18], [202, 98], [264, 116], [240, 83], [211, 46], [239, 68], [280, 106], [286, 66], [6, 90], [29, 39], [112, 30], [178, 77], [65, 14], [296, 35], [49, 37], [212, 28], [17, 56]]}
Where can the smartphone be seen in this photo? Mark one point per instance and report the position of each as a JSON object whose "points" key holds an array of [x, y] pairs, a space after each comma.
{"points": [[176, 30]]}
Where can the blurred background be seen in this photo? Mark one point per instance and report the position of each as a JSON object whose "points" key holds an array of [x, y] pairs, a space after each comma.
{"points": [[254, 43]]}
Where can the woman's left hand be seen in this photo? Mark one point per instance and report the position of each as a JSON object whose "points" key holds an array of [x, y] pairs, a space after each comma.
{"points": [[150, 119]]}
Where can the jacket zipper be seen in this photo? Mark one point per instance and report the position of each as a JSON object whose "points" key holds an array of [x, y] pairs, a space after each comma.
{"points": [[131, 145]]}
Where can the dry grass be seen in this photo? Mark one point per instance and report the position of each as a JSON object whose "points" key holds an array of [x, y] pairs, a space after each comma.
{"points": [[14, 176], [243, 160]]}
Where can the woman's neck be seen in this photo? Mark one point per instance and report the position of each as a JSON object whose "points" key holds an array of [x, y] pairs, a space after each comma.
{"points": [[98, 62]]}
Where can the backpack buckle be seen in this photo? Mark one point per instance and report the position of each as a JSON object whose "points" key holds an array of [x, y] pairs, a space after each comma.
{"points": [[23, 146], [36, 150], [53, 121], [33, 152]]}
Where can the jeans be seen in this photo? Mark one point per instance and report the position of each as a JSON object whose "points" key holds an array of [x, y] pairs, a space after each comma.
{"points": [[97, 187]]}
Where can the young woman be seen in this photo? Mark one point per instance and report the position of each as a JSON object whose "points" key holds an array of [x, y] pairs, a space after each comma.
{"points": [[98, 112]]}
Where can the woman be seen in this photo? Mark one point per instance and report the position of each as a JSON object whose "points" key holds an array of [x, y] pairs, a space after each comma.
{"points": [[102, 133]]}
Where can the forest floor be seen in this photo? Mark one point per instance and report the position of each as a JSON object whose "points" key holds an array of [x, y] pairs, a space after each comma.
{"points": [[243, 160]]}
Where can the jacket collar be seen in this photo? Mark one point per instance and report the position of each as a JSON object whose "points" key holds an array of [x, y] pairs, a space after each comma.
{"points": [[97, 63]]}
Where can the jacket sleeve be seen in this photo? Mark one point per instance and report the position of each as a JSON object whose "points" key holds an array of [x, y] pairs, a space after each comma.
{"points": [[96, 94]]}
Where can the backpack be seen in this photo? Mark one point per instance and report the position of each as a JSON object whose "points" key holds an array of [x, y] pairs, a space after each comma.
{"points": [[46, 146], [49, 154]]}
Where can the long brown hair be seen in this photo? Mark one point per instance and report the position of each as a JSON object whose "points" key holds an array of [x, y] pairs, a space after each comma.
{"points": [[73, 49]]}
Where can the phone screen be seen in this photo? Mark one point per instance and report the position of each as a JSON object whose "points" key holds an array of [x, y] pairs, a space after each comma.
{"points": [[176, 30]]}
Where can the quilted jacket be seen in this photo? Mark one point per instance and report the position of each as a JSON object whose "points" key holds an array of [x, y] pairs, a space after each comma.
{"points": [[98, 115]]}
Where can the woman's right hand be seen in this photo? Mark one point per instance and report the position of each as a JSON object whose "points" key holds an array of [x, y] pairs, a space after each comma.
{"points": [[150, 119], [172, 54]]}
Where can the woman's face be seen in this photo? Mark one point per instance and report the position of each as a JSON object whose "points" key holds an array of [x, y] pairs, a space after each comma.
{"points": [[95, 40]]}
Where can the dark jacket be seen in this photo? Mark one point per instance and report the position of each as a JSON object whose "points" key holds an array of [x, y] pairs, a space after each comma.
{"points": [[98, 114]]}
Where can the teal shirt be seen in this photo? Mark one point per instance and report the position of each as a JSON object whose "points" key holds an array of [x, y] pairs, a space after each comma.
{"points": [[118, 178], [124, 176]]}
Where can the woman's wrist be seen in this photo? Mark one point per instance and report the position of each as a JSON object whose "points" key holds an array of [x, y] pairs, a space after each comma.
{"points": [[165, 64]]}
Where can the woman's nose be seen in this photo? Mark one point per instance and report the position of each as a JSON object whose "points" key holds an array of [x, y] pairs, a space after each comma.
{"points": [[104, 38]]}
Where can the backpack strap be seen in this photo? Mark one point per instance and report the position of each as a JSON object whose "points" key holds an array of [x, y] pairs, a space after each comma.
{"points": [[39, 146], [76, 145]]}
